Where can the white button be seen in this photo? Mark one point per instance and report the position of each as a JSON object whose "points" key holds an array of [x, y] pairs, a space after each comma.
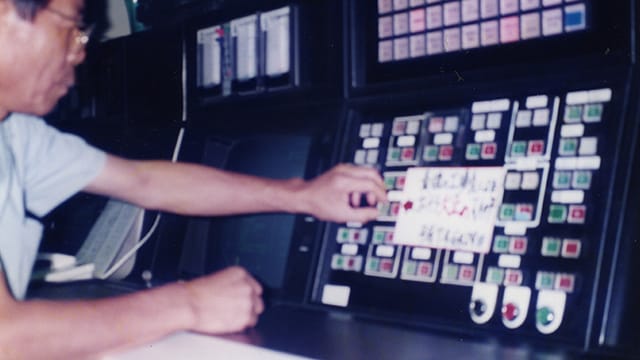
{"points": [[435, 43], [463, 257], [421, 253], [485, 136], [360, 157], [434, 17], [401, 48], [477, 122], [417, 46], [489, 33], [538, 101], [349, 249], [377, 129], [588, 146], [443, 139], [530, 180], [413, 127], [488, 8], [372, 156], [451, 123], [494, 121], [567, 196], [385, 251], [400, 24], [452, 13], [509, 261], [512, 181], [530, 26], [574, 130], [371, 143], [551, 22], [470, 10], [407, 140], [470, 36], [452, 39], [508, 6], [385, 51], [365, 130], [541, 117], [385, 27], [523, 119]]}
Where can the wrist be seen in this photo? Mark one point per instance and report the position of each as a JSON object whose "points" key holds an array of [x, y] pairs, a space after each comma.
{"points": [[296, 202], [187, 309]]}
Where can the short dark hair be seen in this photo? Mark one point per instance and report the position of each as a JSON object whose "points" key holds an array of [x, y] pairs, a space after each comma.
{"points": [[28, 9]]}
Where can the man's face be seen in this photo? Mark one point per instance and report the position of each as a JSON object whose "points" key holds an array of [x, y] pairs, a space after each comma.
{"points": [[37, 67]]}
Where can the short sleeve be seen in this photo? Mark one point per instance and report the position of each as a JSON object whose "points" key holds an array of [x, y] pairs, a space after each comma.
{"points": [[52, 165]]}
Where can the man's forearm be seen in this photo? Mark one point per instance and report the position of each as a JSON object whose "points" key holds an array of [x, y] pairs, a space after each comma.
{"points": [[82, 329]]}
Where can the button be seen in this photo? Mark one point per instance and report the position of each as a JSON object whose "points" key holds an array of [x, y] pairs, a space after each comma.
{"points": [[446, 153], [524, 212], [489, 151], [399, 127], [557, 214], [430, 153], [372, 156], [577, 214], [467, 273], [544, 316], [365, 130], [568, 147], [536, 148], [518, 245], [394, 209], [512, 181], [573, 114], [400, 181], [494, 121], [451, 123], [478, 122], [500, 244], [510, 311], [343, 235], [561, 180], [565, 282], [523, 119], [373, 264], [495, 275], [507, 211], [541, 117], [389, 182], [530, 180], [436, 124], [581, 180], [378, 236], [588, 146], [477, 307], [593, 113], [360, 157], [386, 265], [409, 268], [413, 127], [377, 129], [545, 280], [407, 154], [425, 269], [393, 154], [473, 152], [571, 248], [450, 272], [518, 148], [550, 247], [337, 262], [513, 277]]}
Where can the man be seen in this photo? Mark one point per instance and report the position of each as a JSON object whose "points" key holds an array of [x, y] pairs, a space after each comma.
{"points": [[41, 41]]}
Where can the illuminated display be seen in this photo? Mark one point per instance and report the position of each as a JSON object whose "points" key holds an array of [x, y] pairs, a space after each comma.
{"points": [[426, 28]]}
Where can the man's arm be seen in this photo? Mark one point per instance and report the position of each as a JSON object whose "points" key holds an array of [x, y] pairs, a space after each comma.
{"points": [[198, 190], [224, 302]]}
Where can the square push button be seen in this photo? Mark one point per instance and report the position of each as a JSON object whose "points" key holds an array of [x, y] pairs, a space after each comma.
{"points": [[518, 148], [430, 153], [571, 248], [436, 124], [536, 148], [495, 275], [507, 212], [561, 180], [466, 273], [550, 247], [573, 114], [577, 214], [407, 154], [557, 214], [565, 282], [581, 180], [473, 152], [568, 147], [393, 154], [446, 153], [518, 245], [524, 212], [425, 269], [513, 277], [512, 181], [500, 244], [593, 113], [545, 280], [489, 151]]}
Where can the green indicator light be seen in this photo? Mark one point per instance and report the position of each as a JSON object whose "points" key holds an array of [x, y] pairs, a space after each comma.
{"points": [[544, 316]]}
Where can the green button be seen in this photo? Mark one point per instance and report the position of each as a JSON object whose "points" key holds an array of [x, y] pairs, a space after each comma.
{"points": [[378, 237], [544, 316], [550, 246], [561, 180], [507, 211], [389, 182], [374, 264], [410, 267], [582, 180], [394, 154], [343, 234], [544, 280], [451, 272], [473, 151], [495, 275], [568, 147], [430, 153], [573, 114], [593, 113], [518, 148], [557, 214], [500, 244]]}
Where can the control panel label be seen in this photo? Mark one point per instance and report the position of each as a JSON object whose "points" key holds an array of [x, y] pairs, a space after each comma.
{"points": [[453, 208]]}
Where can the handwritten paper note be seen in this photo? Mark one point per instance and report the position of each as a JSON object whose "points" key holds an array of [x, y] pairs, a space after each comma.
{"points": [[450, 208]]}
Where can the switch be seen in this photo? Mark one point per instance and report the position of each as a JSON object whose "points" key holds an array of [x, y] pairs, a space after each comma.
{"points": [[544, 316], [477, 308], [510, 311]]}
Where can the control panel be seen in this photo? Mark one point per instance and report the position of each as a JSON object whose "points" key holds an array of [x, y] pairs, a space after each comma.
{"points": [[494, 218]]}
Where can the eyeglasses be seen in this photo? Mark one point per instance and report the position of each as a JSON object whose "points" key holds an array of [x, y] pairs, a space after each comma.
{"points": [[81, 31]]}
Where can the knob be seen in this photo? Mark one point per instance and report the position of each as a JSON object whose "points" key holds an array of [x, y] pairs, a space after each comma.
{"points": [[477, 307], [544, 316], [510, 311]]}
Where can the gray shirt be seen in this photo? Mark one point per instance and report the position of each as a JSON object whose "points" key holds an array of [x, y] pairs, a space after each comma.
{"points": [[40, 167]]}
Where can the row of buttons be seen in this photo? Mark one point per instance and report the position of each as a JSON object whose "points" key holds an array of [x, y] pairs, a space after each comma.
{"points": [[580, 179], [459, 274], [506, 277], [438, 153], [505, 30], [382, 235], [388, 210], [513, 245], [417, 271], [572, 214], [380, 267], [394, 181], [527, 148], [352, 235], [566, 248], [588, 113], [527, 180], [578, 146], [485, 151], [546, 280], [516, 212], [489, 8], [346, 262], [529, 118]]}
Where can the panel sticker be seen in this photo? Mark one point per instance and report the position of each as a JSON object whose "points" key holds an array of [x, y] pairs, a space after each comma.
{"points": [[450, 208]]}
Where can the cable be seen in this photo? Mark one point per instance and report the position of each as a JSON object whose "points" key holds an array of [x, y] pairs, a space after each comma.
{"points": [[156, 221]]}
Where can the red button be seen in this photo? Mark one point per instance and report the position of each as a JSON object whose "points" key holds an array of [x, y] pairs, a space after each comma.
{"points": [[407, 153], [571, 248], [489, 150], [510, 311], [467, 272], [446, 152], [577, 214], [425, 269], [536, 147]]}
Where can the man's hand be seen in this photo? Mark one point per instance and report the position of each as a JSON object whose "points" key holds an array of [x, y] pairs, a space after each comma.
{"points": [[335, 195], [226, 301]]}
